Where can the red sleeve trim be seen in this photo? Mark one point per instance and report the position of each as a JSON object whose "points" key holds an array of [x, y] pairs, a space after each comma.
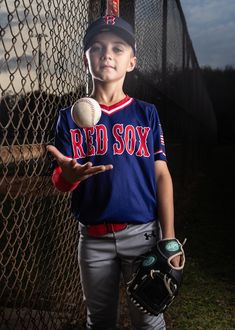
{"points": [[60, 183]]}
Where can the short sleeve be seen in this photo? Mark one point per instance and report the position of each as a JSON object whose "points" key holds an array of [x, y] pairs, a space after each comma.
{"points": [[62, 135], [158, 137], [62, 138]]}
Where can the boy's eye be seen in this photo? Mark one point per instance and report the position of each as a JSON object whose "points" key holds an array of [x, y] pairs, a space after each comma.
{"points": [[95, 48], [117, 50]]}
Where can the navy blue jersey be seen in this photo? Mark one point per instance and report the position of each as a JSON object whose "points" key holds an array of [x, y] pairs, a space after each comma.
{"points": [[128, 136]]}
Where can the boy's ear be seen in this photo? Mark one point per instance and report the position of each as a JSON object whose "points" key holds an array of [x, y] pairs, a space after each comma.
{"points": [[132, 64]]}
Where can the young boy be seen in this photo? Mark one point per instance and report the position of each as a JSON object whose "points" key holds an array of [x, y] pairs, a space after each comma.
{"points": [[121, 188]]}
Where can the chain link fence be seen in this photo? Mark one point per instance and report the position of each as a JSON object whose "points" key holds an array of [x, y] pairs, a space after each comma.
{"points": [[41, 71]]}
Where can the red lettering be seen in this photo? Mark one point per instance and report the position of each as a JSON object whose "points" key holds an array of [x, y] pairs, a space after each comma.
{"points": [[89, 131], [130, 139], [118, 148], [101, 140], [143, 135], [97, 141], [77, 140], [109, 19]]}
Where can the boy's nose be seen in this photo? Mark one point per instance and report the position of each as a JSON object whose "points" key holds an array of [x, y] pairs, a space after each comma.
{"points": [[106, 54]]}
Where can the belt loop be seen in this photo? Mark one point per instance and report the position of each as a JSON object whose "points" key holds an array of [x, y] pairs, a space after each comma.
{"points": [[112, 229], [109, 227]]}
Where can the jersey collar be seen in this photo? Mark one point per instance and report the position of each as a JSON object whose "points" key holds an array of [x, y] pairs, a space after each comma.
{"points": [[109, 110]]}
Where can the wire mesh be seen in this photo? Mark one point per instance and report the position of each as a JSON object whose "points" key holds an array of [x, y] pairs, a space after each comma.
{"points": [[166, 63], [41, 71]]}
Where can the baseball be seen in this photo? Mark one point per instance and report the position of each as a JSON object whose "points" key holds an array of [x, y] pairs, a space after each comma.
{"points": [[86, 112]]}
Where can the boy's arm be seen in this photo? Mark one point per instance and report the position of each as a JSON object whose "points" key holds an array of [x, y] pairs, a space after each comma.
{"points": [[165, 199], [165, 203], [69, 173]]}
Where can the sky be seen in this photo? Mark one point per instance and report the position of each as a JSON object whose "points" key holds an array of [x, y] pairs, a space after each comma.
{"points": [[19, 45], [211, 25]]}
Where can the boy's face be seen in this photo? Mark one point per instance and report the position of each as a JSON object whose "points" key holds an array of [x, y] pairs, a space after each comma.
{"points": [[109, 58]]}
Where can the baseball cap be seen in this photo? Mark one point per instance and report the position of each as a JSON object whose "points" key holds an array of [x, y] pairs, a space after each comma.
{"points": [[110, 23]]}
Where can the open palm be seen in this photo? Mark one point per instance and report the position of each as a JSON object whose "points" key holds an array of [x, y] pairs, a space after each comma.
{"points": [[72, 171]]}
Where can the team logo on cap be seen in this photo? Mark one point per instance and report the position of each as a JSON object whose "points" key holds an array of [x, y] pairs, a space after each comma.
{"points": [[109, 19]]}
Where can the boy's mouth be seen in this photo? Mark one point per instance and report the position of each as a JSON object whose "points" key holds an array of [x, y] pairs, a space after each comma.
{"points": [[107, 66]]}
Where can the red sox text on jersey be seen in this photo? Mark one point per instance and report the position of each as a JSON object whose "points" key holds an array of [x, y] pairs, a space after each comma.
{"points": [[127, 138]]}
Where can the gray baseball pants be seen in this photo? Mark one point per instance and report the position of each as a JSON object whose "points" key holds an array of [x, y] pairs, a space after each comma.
{"points": [[103, 260]]}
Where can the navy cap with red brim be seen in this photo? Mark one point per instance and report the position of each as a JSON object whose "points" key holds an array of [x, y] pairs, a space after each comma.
{"points": [[112, 24]]}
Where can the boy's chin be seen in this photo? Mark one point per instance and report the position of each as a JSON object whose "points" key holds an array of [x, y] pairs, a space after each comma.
{"points": [[108, 78]]}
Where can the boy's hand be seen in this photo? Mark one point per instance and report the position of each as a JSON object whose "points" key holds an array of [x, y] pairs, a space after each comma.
{"points": [[156, 273], [72, 171], [176, 261]]}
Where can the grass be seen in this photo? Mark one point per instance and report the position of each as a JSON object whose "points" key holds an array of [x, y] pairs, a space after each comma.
{"points": [[203, 303], [205, 213]]}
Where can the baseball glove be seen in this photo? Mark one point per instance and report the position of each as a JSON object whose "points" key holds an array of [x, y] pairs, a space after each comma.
{"points": [[156, 282]]}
